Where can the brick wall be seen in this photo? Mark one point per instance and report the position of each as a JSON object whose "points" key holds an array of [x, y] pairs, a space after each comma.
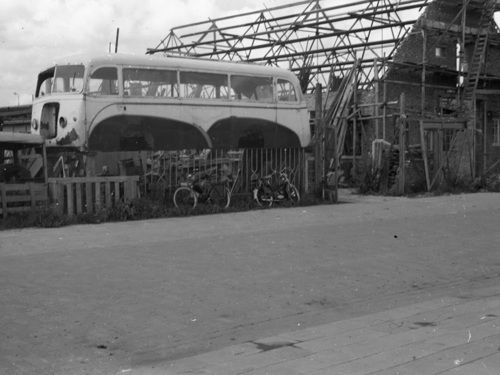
{"points": [[408, 74]]}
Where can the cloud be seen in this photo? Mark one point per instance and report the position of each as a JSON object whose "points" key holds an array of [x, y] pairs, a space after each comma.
{"points": [[35, 32]]}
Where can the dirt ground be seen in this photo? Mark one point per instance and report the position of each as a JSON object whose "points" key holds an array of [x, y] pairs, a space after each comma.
{"points": [[96, 299]]}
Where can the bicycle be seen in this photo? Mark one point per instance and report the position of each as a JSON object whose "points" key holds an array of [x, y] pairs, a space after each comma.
{"points": [[199, 188], [274, 188]]}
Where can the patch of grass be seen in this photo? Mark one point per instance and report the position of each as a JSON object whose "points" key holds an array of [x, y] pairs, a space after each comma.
{"points": [[39, 217], [137, 209]]}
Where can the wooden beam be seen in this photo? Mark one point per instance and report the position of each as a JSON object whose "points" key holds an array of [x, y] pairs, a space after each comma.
{"points": [[440, 125]]}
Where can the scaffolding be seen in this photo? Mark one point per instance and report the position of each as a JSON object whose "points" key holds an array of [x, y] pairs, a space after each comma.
{"points": [[345, 49], [318, 40]]}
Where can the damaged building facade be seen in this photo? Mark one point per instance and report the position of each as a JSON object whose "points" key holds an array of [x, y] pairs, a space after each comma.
{"points": [[445, 79]]}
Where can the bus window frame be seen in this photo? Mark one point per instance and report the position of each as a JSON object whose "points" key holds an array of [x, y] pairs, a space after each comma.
{"points": [[273, 79], [46, 74], [295, 91], [122, 72], [66, 86], [190, 71], [91, 70]]}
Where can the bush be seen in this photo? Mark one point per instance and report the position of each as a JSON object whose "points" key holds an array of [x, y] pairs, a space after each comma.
{"points": [[39, 217], [489, 182]]}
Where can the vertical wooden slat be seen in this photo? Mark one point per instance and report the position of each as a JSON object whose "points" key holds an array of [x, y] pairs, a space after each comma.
{"points": [[107, 189], [69, 198], [56, 197], [127, 191], [98, 198], [89, 199], [117, 192], [78, 192], [3, 192], [31, 187]]}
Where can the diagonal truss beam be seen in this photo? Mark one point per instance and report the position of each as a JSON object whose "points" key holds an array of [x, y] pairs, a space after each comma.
{"points": [[315, 38]]}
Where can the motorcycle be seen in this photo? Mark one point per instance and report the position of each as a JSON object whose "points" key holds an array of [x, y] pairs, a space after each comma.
{"points": [[274, 188]]}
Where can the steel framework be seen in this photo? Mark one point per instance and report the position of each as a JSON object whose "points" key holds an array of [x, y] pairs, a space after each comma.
{"points": [[312, 38]]}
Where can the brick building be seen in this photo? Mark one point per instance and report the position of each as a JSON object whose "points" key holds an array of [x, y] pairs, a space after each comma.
{"points": [[448, 70]]}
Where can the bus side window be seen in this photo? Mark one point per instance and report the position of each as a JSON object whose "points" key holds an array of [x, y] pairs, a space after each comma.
{"points": [[150, 82], [203, 85], [104, 81], [286, 91], [252, 88]]}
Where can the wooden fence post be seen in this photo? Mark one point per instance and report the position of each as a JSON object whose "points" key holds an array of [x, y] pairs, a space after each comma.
{"points": [[3, 193], [56, 196]]}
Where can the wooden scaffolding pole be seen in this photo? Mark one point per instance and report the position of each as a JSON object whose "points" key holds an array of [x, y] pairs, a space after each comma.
{"points": [[377, 99], [422, 133], [354, 122], [402, 144], [320, 138]]}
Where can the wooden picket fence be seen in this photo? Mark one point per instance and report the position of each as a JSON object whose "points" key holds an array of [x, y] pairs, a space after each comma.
{"points": [[21, 197], [73, 196]]}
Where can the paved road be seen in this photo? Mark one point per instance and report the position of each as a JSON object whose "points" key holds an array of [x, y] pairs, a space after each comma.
{"points": [[98, 299]]}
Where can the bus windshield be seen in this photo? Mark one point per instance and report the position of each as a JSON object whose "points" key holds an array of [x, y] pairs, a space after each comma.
{"points": [[68, 78]]}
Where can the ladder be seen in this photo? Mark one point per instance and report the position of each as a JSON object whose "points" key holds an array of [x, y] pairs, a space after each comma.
{"points": [[477, 60]]}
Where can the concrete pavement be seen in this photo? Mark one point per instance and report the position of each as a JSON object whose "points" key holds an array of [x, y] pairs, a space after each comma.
{"points": [[448, 336], [385, 285]]}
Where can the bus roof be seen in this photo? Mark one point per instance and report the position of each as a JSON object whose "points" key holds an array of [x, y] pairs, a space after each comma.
{"points": [[175, 63]]}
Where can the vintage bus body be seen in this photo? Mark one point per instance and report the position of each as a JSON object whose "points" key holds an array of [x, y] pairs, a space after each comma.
{"points": [[117, 102]]}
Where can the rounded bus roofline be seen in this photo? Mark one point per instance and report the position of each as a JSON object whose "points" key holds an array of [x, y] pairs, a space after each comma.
{"points": [[205, 99]]}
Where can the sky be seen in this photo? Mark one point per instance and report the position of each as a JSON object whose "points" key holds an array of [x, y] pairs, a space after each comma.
{"points": [[35, 32]]}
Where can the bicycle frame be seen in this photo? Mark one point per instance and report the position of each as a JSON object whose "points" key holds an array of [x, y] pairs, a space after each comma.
{"points": [[200, 188]]}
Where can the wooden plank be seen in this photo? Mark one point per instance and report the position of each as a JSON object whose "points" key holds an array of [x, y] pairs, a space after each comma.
{"points": [[79, 204], [89, 198], [107, 197], [56, 197], [17, 198], [117, 192], [15, 187], [40, 192], [69, 200], [4, 200], [442, 125], [423, 146], [97, 201], [32, 194], [402, 144], [126, 191], [94, 179]]}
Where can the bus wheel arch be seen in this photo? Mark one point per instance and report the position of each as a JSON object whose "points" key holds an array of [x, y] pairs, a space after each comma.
{"points": [[247, 132], [132, 133]]}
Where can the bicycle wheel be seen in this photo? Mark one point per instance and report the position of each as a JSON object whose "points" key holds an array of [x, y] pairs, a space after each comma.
{"points": [[293, 194], [185, 198], [220, 195]]}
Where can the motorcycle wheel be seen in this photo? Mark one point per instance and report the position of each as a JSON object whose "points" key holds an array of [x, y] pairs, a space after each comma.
{"points": [[260, 198]]}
